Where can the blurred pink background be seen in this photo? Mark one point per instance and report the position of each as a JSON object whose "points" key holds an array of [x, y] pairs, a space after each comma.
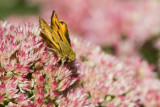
{"points": [[104, 22]]}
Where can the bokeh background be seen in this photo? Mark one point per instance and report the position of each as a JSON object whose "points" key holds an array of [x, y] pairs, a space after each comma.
{"points": [[123, 28]]}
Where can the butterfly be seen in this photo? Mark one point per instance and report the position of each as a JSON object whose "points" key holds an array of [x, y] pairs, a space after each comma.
{"points": [[57, 36]]}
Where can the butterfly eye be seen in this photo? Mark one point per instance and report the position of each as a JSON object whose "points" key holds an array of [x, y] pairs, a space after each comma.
{"points": [[67, 58]]}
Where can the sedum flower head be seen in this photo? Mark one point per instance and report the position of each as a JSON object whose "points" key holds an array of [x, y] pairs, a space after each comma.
{"points": [[30, 77], [115, 82]]}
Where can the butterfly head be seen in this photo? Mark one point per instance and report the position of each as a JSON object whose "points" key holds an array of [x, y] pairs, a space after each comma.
{"points": [[70, 57]]}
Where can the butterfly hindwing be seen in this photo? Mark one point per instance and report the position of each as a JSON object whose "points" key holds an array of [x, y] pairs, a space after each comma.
{"points": [[60, 28], [56, 27], [64, 30]]}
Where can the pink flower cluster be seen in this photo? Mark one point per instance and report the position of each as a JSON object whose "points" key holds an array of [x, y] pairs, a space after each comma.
{"points": [[106, 21], [29, 76], [114, 83]]}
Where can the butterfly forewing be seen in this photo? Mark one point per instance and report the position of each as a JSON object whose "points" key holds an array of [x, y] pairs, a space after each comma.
{"points": [[55, 26], [54, 21], [60, 28], [48, 34]]}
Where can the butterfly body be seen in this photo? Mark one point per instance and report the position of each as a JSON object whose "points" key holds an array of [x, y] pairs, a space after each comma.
{"points": [[67, 53], [57, 36]]}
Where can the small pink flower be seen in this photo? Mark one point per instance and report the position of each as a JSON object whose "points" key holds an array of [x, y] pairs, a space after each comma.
{"points": [[53, 85], [40, 80], [1, 99], [74, 98], [53, 94], [39, 89], [38, 102], [2, 88], [64, 84]]}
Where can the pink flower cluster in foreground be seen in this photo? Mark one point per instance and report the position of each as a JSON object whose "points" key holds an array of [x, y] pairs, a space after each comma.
{"points": [[30, 78], [104, 22], [28, 74]]}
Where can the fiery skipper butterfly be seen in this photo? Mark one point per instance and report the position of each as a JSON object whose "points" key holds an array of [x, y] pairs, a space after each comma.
{"points": [[57, 36]]}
